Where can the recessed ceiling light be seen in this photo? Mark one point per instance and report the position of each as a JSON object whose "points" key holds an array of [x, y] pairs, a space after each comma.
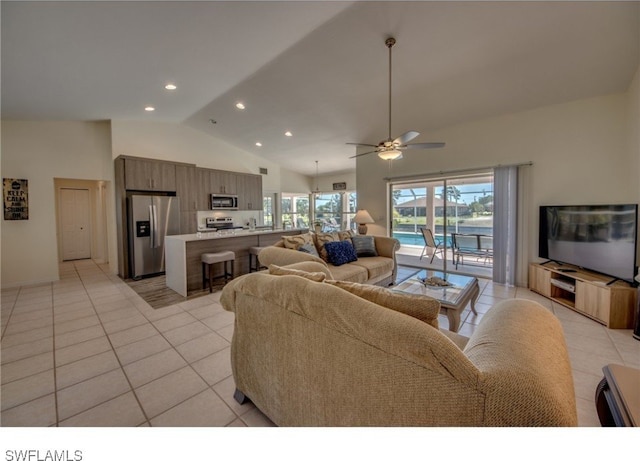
{"points": [[259, 144], [149, 108], [240, 106], [170, 86], [288, 133]]}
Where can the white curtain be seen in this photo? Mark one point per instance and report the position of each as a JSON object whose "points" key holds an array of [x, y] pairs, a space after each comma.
{"points": [[505, 218]]}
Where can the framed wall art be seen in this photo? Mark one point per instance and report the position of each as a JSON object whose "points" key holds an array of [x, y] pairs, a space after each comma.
{"points": [[16, 199]]}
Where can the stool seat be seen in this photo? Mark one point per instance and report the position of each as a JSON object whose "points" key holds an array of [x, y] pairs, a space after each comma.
{"points": [[209, 259], [253, 253], [222, 256], [255, 250]]}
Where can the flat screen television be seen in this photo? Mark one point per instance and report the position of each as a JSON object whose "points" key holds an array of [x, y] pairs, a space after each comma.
{"points": [[601, 238]]}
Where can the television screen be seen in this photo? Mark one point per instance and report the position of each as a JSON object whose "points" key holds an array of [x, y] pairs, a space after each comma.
{"points": [[601, 238]]}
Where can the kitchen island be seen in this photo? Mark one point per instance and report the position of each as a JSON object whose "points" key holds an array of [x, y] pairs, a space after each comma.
{"points": [[183, 266]]}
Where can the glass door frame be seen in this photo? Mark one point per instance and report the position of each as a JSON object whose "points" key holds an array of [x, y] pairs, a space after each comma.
{"points": [[436, 181]]}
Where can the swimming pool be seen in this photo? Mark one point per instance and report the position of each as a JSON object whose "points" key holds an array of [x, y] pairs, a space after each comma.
{"points": [[411, 238]]}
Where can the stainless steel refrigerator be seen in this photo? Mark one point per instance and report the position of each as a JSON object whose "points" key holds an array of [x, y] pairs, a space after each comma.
{"points": [[151, 217]]}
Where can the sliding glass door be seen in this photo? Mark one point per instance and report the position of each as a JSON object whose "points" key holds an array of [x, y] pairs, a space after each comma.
{"points": [[456, 210]]}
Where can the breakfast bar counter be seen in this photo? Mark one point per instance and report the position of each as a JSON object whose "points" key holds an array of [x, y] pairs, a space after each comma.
{"points": [[182, 253]]}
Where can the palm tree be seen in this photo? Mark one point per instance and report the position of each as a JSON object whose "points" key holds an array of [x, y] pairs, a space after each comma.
{"points": [[453, 195]]}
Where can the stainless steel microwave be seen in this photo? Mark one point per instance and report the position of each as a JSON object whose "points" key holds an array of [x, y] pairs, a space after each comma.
{"points": [[224, 202]]}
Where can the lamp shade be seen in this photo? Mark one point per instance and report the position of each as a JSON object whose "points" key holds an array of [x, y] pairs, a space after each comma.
{"points": [[363, 217]]}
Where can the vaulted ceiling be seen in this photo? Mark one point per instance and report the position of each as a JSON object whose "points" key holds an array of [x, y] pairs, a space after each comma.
{"points": [[316, 69]]}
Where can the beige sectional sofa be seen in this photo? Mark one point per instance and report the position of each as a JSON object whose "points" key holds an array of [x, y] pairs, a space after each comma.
{"points": [[375, 270], [319, 353]]}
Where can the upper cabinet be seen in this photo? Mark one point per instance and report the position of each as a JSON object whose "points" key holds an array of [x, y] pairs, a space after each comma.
{"points": [[187, 187], [141, 174], [203, 188], [193, 185], [223, 182], [249, 191]]}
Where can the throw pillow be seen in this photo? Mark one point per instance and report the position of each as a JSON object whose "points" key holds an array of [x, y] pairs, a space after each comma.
{"points": [[420, 307], [321, 239], [340, 253], [294, 242], [346, 235], [314, 276], [365, 245], [309, 248]]}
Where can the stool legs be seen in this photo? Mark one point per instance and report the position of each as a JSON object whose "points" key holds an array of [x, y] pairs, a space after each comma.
{"points": [[207, 274]]}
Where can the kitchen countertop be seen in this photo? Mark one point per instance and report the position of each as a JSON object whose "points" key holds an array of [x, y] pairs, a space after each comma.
{"points": [[212, 235]]}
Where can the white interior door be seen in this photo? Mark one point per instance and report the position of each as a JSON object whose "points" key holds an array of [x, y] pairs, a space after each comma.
{"points": [[75, 224]]}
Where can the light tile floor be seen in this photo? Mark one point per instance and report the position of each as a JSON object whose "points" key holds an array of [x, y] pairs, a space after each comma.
{"points": [[88, 351]]}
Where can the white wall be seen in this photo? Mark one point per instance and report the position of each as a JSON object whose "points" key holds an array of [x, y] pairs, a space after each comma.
{"points": [[579, 154], [633, 127], [633, 138], [40, 152], [325, 182]]}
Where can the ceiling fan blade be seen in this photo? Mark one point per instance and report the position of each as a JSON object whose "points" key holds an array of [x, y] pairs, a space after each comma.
{"points": [[361, 144], [423, 145], [365, 153], [406, 137]]}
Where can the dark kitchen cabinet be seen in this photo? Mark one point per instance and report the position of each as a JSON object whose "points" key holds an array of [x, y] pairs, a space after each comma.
{"points": [[150, 175], [249, 191]]}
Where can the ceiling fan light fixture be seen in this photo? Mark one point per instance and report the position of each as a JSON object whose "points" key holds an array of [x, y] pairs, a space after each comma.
{"points": [[393, 154]]}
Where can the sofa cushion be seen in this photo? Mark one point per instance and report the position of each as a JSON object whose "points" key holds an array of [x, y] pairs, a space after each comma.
{"points": [[315, 276], [309, 248], [421, 307], [376, 266], [365, 245], [321, 239], [349, 272], [340, 253], [294, 242], [346, 235]]}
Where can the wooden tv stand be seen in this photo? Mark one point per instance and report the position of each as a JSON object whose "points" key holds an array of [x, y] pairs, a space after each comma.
{"points": [[586, 293]]}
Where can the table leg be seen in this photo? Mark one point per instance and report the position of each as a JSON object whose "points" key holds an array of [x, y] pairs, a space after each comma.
{"points": [[474, 297], [453, 315]]}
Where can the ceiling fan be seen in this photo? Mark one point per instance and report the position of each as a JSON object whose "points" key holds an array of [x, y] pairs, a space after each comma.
{"points": [[391, 149]]}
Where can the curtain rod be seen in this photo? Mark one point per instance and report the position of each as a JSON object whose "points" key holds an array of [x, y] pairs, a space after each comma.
{"points": [[465, 170]]}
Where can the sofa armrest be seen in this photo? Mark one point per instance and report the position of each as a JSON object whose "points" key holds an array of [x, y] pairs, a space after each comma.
{"points": [[281, 256], [311, 266], [520, 351], [386, 246]]}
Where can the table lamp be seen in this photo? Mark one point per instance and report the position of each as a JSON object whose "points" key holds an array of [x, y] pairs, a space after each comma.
{"points": [[363, 218]]}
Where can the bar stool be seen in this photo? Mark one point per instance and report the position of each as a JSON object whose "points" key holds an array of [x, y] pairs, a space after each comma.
{"points": [[209, 259], [253, 253]]}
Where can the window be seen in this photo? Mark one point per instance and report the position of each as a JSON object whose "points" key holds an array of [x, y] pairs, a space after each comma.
{"points": [[295, 210], [267, 208], [335, 211]]}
